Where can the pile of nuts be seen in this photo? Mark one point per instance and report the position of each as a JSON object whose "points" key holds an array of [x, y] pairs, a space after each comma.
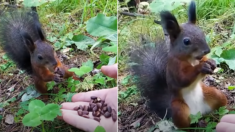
{"points": [[98, 107]]}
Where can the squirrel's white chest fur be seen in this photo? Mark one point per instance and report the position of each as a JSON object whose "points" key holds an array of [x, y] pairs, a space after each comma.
{"points": [[194, 98]]}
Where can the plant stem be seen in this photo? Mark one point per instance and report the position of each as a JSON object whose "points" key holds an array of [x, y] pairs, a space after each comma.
{"points": [[43, 129]]}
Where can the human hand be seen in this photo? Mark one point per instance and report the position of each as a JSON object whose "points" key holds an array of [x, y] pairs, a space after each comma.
{"points": [[226, 124], [89, 124]]}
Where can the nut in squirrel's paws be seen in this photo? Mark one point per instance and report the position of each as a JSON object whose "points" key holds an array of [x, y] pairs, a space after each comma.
{"points": [[58, 78], [58, 75], [207, 67], [212, 63]]}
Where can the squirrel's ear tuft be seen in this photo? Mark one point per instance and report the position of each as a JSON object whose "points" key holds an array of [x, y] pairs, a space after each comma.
{"points": [[170, 24], [40, 33], [28, 41], [37, 23], [192, 17]]}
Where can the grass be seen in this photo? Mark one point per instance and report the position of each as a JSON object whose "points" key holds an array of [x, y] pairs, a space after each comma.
{"points": [[215, 17]]}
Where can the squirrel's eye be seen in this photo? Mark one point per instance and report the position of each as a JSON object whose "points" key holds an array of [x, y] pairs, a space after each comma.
{"points": [[40, 57], [187, 41]]}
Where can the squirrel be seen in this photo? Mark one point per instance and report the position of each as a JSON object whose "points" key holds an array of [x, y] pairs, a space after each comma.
{"points": [[24, 41], [170, 74]]}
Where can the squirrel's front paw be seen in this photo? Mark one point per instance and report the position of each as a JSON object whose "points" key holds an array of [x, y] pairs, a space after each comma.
{"points": [[212, 63], [58, 78], [59, 71], [206, 68]]}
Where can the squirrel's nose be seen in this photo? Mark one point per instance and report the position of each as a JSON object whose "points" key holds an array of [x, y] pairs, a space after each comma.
{"points": [[207, 51]]}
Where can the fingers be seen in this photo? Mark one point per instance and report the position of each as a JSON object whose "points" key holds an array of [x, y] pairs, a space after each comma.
{"points": [[85, 124], [225, 127], [230, 118], [71, 105], [227, 123], [86, 97], [110, 71]]}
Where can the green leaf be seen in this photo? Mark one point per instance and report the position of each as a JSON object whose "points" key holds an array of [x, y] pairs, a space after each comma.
{"points": [[112, 60], [68, 97], [50, 111], [104, 59], [125, 80], [31, 92], [222, 111], [99, 129], [218, 50], [100, 80], [195, 118], [89, 63], [32, 119], [30, 3], [231, 87], [229, 57], [112, 37], [1, 117], [36, 105], [231, 112], [82, 42], [158, 5], [81, 71], [112, 48], [101, 25], [211, 125], [50, 85]]}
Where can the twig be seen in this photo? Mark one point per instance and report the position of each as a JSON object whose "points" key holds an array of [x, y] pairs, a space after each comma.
{"points": [[131, 14]]}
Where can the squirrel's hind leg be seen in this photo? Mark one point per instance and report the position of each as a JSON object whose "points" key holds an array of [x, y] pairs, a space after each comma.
{"points": [[180, 113], [214, 97]]}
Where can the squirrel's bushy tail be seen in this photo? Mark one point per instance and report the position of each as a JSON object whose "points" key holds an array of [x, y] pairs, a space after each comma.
{"points": [[12, 25], [148, 65]]}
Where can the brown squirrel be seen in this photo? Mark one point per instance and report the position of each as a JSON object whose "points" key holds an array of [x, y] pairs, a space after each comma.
{"points": [[24, 41], [170, 75]]}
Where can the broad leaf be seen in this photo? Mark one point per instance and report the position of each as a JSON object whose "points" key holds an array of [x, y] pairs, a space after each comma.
{"points": [[159, 5], [112, 48], [50, 111], [82, 42], [101, 25], [99, 129], [81, 71], [229, 57], [36, 105], [32, 119]]}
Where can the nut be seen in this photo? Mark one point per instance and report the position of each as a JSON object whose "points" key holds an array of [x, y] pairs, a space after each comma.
{"points": [[107, 114], [80, 112], [102, 102], [85, 112], [114, 115], [99, 105], [98, 113], [86, 116], [98, 99], [92, 105], [76, 108], [89, 108], [105, 109], [109, 109], [80, 106], [85, 108], [93, 97], [97, 119], [95, 108]]}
